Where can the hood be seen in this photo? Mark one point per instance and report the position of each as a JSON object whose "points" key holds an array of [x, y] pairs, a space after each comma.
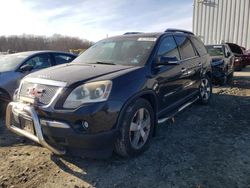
{"points": [[76, 72]]}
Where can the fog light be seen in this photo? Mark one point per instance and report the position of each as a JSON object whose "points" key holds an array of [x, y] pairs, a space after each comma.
{"points": [[85, 124]]}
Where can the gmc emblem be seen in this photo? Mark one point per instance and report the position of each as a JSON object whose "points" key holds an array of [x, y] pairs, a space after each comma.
{"points": [[35, 93]]}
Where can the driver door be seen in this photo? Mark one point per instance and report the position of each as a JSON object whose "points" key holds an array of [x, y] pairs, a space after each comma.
{"points": [[168, 76], [37, 62]]}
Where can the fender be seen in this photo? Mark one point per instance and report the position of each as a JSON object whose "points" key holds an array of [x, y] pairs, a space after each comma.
{"points": [[133, 98]]}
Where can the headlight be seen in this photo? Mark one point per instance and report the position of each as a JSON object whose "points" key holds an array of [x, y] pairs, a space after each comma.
{"points": [[88, 93]]}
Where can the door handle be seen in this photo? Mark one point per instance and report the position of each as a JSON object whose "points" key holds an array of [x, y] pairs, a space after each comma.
{"points": [[183, 70]]}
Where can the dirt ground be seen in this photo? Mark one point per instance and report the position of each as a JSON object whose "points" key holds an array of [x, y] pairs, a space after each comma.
{"points": [[206, 146]]}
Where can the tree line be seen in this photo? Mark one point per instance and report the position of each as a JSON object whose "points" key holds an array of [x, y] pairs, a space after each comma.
{"points": [[58, 42]]}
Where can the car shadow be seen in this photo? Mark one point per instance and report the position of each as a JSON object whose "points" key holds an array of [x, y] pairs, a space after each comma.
{"points": [[200, 148]]}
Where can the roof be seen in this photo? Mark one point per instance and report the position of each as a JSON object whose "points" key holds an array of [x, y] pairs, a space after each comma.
{"points": [[155, 34]]}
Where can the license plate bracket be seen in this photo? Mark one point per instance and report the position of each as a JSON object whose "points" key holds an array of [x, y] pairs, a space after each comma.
{"points": [[27, 125]]}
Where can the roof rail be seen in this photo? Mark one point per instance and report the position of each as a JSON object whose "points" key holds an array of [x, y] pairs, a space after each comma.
{"points": [[179, 31], [132, 33]]}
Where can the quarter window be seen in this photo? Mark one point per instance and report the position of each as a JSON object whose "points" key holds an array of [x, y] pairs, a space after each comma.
{"points": [[168, 48], [199, 46], [185, 46]]}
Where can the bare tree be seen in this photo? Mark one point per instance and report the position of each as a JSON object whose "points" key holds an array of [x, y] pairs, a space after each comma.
{"points": [[31, 42]]}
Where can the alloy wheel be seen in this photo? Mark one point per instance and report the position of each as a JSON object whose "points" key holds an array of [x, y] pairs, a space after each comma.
{"points": [[205, 89], [140, 128]]}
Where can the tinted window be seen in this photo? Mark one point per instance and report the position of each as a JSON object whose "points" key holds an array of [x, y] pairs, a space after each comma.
{"points": [[62, 58], [185, 46], [168, 48], [199, 46], [40, 61], [235, 48]]}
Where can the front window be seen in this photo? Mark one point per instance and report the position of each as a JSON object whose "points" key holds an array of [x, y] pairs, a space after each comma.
{"points": [[40, 61], [10, 62], [123, 51], [215, 50]]}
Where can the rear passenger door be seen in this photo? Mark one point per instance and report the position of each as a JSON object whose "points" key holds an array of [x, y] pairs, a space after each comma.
{"points": [[190, 65]]}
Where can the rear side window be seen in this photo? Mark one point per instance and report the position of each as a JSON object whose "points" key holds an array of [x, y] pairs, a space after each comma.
{"points": [[62, 58], [199, 46], [168, 48], [185, 46]]}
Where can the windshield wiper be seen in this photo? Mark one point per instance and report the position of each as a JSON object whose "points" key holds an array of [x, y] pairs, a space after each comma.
{"points": [[104, 63]]}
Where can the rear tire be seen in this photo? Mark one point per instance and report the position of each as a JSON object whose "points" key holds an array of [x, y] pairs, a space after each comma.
{"points": [[136, 129], [205, 90]]}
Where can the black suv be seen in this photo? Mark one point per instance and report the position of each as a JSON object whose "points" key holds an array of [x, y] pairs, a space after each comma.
{"points": [[113, 95]]}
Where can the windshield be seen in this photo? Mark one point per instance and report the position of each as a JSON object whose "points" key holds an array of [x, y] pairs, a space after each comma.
{"points": [[10, 62], [126, 51], [215, 50]]}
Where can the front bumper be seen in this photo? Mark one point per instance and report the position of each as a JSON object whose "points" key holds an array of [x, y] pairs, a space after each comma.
{"points": [[58, 136]]}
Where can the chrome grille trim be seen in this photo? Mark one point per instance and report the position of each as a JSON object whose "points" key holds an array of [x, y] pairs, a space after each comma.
{"points": [[44, 82], [44, 99], [55, 85]]}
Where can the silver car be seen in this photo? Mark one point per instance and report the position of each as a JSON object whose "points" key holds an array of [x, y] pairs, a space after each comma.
{"points": [[14, 67]]}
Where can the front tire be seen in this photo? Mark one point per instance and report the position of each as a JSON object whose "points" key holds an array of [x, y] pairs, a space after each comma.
{"points": [[205, 90], [136, 129], [3, 106]]}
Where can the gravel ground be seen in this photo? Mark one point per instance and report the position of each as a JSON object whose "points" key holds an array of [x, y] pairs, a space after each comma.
{"points": [[206, 146]]}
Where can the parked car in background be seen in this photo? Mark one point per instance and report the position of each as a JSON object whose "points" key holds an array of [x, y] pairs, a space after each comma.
{"points": [[14, 67], [113, 95], [222, 62], [247, 52], [247, 57], [240, 58]]}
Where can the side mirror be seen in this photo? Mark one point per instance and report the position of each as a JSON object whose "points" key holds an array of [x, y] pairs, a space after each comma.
{"points": [[163, 60], [26, 68]]}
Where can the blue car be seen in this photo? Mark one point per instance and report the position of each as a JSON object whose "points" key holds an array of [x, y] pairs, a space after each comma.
{"points": [[14, 67]]}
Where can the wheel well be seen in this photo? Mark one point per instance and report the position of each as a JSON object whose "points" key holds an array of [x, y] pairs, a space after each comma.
{"points": [[147, 96], [6, 94], [152, 100]]}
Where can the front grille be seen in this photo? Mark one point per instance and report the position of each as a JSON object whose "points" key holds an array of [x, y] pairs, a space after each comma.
{"points": [[44, 98]]}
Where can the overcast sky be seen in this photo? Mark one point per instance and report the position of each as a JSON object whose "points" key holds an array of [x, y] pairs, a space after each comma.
{"points": [[93, 19]]}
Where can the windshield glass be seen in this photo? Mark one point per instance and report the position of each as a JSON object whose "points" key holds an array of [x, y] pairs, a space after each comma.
{"points": [[10, 62], [126, 51], [215, 50]]}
